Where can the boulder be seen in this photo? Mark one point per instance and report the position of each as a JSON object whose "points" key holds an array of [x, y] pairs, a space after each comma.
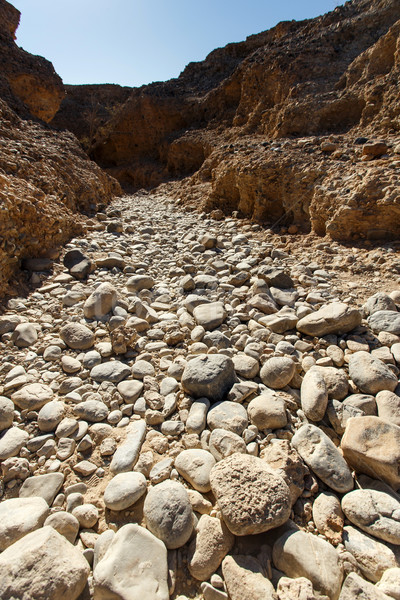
{"points": [[210, 376]]}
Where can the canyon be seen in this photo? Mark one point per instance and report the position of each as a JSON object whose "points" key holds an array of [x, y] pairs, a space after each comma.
{"points": [[200, 322]]}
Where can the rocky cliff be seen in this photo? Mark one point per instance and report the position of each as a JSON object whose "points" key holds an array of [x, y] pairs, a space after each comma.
{"points": [[47, 183], [252, 125]]}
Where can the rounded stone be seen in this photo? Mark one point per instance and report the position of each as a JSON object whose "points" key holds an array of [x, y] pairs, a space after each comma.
{"points": [[65, 523], [370, 374], [267, 411], [228, 415], [93, 411], [168, 513], [277, 372], [208, 375], [124, 490], [24, 335], [87, 515], [6, 413], [246, 366], [113, 370], [77, 336], [50, 415], [252, 497], [223, 443], [313, 395], [195, 465], [101, 301], [32, 396]]}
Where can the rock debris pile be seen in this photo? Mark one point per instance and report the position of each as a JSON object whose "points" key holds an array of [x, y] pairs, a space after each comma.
{"points": [[188, 411]]}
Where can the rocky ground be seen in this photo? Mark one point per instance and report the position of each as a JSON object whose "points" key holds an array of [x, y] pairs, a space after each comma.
{"points": [[196, 407]]}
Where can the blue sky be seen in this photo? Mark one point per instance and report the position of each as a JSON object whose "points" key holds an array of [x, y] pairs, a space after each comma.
{"points": [[133, 42]]}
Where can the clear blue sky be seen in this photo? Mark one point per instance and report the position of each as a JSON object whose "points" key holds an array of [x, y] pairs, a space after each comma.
{"points": [[132, 42]]}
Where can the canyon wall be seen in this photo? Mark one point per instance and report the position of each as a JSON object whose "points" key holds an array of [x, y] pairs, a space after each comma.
{"points": [[48, 185]]}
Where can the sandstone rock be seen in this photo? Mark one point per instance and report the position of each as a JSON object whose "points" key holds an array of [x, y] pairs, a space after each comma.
{"points": [[87, 515], [277, 372], [300, 554], [355, 586], [43, 565], [372, 446], [124, 490], [195, 465], [336, 317], [197, 417], [212, 543], [50, 415], [373, 557], [246, 366], [139, 282], [93, 411], [168, 513], [130, 390], [209, 376], [100, 302], [245, 580], [252, 497], [286, 461], [379, 302], [328, 516], [374, 512], [77, 336], [19, 516], [370, 374], [322, 456], [335, 380], [296, 589]]}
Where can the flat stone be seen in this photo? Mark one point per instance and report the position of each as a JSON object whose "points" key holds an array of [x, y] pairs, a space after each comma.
{"points": [[32, 396], [370, 374], [133, 566], [168, 513], [252, 497], [93, 411], [126, 455], [372, 446], [124, 490], [210, 315], [77, 336], [11, 442], [101, 301], [113, 370], [43, 565], [321, 455], [375, 512], [336, 318], [245, 580], [228, 415], [385, 320], [85, 468], [195, 465], [19, 516], [277, 372], [210, 376], [373, 557], [45, 486], [212, 543], [301, 554]]}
